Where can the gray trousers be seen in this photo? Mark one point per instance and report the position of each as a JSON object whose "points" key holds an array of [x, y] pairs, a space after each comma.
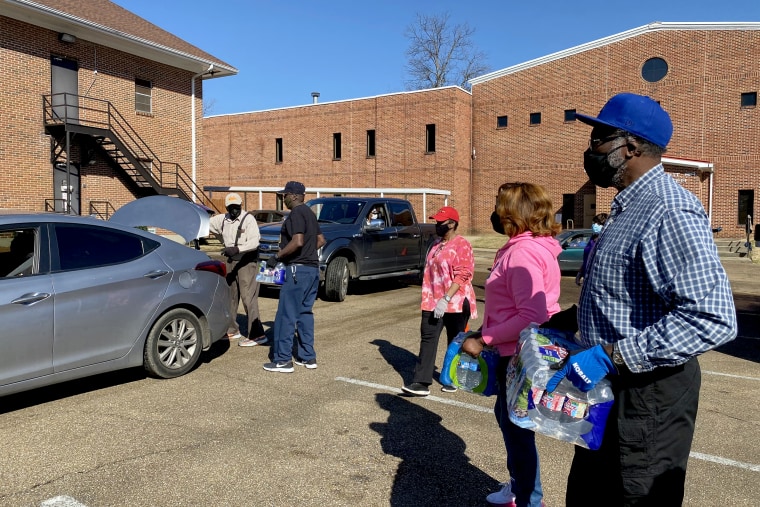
{"points": [[244, 286]]}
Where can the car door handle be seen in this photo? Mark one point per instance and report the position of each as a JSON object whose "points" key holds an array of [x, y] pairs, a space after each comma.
{"points": [[416, 235], [31, 298], [158, 273], [393, 236]]}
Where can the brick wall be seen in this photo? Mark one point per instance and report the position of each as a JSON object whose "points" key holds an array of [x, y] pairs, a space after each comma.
{"points": [[240, 148], [708, 71], [25, 151]]}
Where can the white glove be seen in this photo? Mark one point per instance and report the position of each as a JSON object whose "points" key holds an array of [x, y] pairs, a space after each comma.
{"points": [[440, 308]]}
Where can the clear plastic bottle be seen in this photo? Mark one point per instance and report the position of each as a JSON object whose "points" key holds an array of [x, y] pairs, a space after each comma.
{"points": [[278, 276], [469, 375]]}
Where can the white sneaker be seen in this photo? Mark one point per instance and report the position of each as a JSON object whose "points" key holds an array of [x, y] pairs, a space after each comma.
{"points": [[503, 497]]}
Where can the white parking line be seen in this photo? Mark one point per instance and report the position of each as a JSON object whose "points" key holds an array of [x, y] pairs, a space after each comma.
{"points": [[730, 375], [695, 455], [61, 501]]}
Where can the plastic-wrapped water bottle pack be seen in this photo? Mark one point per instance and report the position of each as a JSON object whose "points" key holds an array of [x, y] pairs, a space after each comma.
{"points": [[566, 413]]}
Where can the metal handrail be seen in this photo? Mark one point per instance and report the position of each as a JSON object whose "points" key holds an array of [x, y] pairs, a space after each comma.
{"points": [[99, 113], [101, 209]]}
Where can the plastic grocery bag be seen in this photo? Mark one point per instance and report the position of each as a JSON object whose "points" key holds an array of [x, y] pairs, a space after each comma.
{"points": [[566, 413], [481, 371]]}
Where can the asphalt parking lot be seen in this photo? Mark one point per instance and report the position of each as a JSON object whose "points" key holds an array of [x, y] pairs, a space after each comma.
{"points": [[230, 433]]}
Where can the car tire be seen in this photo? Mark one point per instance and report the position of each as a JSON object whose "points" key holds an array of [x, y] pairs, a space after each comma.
{"points": [[174, 344], [336, 279]]}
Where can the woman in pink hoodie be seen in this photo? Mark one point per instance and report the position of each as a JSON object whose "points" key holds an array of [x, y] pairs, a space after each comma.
{"points": [[523, 287]]}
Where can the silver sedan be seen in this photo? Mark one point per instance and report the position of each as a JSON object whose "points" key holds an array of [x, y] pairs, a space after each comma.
{"points": [[81, 296]]}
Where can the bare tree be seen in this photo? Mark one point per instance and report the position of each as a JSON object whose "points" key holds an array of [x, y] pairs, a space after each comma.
{"points": [[208, 106], [440, 54]]}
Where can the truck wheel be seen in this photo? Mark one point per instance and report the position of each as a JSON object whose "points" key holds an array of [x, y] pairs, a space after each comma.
{"points": [[174, 344], [336, 279]]}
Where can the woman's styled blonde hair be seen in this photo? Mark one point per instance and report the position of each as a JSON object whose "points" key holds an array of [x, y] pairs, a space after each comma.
{"points": [[526, 207]]}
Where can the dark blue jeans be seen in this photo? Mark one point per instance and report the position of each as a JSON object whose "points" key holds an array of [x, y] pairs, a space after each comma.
{"points": [[522, 455], [294, 313]]}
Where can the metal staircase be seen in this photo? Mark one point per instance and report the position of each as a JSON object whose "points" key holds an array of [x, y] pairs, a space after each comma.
{"points": [[100, 127]]}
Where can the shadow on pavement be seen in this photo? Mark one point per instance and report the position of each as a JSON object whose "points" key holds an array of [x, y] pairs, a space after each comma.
{"points": [[399, 358], [55, 392], [434, 468]]}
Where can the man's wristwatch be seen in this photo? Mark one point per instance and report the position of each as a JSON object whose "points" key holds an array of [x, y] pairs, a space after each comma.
{"points": [[617, 358]]}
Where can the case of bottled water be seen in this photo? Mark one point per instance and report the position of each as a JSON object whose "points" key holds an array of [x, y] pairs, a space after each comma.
{"points": [[567, 413], [472, 374], [274, 275]]}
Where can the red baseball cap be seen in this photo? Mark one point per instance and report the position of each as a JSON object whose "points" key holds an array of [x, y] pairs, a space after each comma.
{"points": [[446, 213]]}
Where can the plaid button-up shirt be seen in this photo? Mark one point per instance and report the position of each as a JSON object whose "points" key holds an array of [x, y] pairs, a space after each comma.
{"points": [[654, 283]]}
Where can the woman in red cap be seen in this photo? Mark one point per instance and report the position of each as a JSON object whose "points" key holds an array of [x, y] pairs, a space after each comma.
{"points": [[448, 299]]}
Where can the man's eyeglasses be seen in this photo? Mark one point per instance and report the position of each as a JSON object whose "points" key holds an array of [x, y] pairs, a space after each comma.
{"points": [[595, 143]]}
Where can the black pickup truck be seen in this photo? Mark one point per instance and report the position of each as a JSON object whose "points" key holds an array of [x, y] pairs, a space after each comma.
{"points": [[367, 238]]}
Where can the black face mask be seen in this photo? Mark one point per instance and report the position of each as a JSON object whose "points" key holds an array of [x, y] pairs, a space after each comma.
{"points": [[496, 223], [598, 168], [442, 229], [234, 211]]}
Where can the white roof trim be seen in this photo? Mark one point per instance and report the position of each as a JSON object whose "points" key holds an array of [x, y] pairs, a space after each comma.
{"points": [[345, 100], [652, 27], [699, 165]]}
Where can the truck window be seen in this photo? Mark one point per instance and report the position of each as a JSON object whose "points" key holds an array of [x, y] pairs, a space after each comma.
{"points": [[401, 214]]}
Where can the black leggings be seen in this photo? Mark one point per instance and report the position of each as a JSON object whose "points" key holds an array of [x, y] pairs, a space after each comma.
{"points": [[430, 331]]}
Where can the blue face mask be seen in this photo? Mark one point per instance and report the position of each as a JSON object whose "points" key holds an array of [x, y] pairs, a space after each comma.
{"points": [[596, 228]]}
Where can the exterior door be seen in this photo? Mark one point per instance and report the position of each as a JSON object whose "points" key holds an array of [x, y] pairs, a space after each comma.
{"points": [[589, 209], [66, 189], [64, 86]]}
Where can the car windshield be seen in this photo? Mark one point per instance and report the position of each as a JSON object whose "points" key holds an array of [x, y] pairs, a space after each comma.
{"points": [[337, 212]]}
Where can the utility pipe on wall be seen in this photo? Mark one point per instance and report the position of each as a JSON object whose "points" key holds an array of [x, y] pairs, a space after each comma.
{"points": [[192, 121]]}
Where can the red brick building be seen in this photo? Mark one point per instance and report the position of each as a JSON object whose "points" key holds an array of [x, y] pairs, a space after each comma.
{"points": [[98, 106], [518, 124], [403, 140]]}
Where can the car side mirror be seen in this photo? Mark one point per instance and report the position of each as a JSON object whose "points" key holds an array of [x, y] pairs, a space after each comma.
{"points": [[377, 224]]}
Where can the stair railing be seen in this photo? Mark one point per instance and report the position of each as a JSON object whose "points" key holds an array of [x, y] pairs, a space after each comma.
{"points": [[64, 108]]}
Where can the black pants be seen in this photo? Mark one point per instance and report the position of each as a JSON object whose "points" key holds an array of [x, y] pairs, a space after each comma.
{"points": [[643, 457], [430, 331]]}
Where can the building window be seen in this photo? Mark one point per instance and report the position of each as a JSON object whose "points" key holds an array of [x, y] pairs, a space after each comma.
{"points": [[430, 138], [535, 118], [746, 206], [278, 150], [569, 114], [143, 96], [749, 99], [502, 122], [336, 146], [654, 70], [370, 143]]}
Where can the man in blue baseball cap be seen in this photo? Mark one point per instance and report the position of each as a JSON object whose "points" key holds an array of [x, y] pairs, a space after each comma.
{"points": [[655, 296], [300, 239]]}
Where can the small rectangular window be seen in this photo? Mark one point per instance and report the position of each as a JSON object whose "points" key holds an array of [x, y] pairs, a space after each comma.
{"points": [[502, 122], [749, 99], [430, 138], [143, 96], [370, 143], [746, 206], [569, 114], [535, 118], [278, 150], [336, 146]]}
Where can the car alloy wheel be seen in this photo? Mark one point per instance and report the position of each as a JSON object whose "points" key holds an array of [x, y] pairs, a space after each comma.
{"points": [[174, 344]]}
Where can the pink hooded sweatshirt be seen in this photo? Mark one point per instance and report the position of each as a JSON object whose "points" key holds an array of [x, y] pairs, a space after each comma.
{"points": [[523, 287]]}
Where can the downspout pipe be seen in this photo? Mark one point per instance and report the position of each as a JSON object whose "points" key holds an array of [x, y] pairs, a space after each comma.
{"points": [[192, 122]]}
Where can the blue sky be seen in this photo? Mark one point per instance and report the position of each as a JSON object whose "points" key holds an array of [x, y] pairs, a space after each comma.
{"points": [[347, 49]]}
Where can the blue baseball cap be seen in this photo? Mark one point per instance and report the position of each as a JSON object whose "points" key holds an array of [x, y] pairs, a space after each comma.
{"points": [[637, 114], [293, 187]]}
